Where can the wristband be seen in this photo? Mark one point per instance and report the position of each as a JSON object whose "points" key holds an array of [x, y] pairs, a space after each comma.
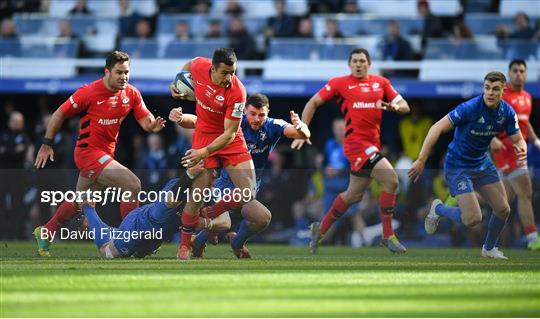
{"points": [[47, 141]]}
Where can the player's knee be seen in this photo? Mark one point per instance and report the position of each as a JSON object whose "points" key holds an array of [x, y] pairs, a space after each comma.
{"points": [[472, 220], [504, 212], [391, 185]]}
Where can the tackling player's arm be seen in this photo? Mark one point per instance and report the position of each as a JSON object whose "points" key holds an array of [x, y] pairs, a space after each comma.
{"points": [[172, 88], [298, 130], [46, 151], [184, 120], [194, 156], [444, 125], [520, 147], [307, 115]]}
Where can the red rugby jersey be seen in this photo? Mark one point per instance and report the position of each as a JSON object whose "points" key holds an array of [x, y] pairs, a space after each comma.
{"points": [[358, 100], [215, 103], [521, 102], [102, 113]]}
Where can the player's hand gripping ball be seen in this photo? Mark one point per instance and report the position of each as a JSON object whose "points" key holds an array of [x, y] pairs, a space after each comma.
{"points": [[183, 83]]}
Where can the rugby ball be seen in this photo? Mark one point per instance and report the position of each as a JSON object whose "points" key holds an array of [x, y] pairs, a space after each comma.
{"points": [[184, 84]]}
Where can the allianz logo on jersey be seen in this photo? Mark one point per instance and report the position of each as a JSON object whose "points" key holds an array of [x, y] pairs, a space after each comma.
{"points": [[205, 107], [364, 105], [107, 121]]}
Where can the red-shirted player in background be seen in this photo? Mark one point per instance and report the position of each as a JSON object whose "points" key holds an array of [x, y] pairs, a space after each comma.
{"points": [[515, 174], [217, 138], [361, 97], [103, 106]]}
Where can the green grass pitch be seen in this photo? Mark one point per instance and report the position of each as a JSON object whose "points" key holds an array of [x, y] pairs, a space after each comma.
{"points": [[280, 281]]}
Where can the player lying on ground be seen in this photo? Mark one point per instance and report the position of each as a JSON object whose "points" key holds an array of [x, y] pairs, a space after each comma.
{"points": [[467, 166], [361, 97], [262, 134], [515, 174], [102, 105], [161, 216]]}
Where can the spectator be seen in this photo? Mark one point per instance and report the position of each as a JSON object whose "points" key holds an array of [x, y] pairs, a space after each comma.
{"points": [[394, 46], [241, 41], [520, 46], [16, 153], [412, 130], [8, 30], [433, 26], [234, 8], [462, 40], [351, 7], [214, 29], [282, 25], [305, 28], [332, 30], [182, 31], [128, 19], [522, 29], [80, 8], [65, 32], [156, 160], [202, 7], [143, 29]]}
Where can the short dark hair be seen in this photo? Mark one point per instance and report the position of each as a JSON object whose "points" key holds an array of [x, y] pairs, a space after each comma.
{"points": [[495, 76], [517, 61], [115, 57], [258, 100], [358, 51], [225, 56]]}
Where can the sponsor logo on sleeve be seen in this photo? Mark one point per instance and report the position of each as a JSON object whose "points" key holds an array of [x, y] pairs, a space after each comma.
{"points": [[238, 109]]}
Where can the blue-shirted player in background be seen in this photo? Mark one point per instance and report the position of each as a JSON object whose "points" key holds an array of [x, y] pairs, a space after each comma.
{"points": [[468, 167], [262, 134], [160, 218]]}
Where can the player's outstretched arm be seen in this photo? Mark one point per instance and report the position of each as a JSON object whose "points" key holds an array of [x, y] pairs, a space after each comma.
{"points": [[532, 136], [298, 130], [442, 126], [46, 151], [152, 124], [307, 115], [184, 120], [520, 147], [195, 156]]}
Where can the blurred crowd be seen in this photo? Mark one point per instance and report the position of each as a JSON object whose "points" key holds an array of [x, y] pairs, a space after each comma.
{"points": [[393, 46], [298, 186]]}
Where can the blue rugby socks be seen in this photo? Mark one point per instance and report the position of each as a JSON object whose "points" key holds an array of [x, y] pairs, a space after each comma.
{"points": [[96, 225], [494, 230], [454, 213], [243, 234]]}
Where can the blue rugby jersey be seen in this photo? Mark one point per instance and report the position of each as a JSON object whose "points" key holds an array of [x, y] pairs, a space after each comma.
{"points": [[475, 126]]}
